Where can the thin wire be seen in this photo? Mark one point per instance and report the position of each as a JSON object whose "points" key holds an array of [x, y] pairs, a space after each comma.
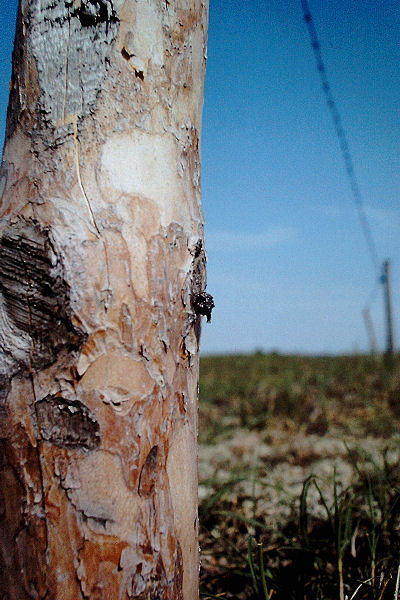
{"points": [[344, 146]]}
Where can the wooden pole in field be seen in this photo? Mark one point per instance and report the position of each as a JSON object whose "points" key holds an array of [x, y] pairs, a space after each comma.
{"points": [[102, 290], [388, 307]]}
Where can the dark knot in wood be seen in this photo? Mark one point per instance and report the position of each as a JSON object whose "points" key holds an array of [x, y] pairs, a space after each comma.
{"points": [[202, 304], [148, 474], [92, 12]]}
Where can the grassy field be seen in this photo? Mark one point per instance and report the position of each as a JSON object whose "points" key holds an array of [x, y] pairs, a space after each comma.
{"points": [[299, 477]]}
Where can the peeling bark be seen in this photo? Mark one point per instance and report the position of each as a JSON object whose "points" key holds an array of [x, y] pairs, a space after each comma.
{"points": [[102, 289]]}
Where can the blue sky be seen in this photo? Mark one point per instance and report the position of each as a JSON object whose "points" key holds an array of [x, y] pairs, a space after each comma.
{"points": [[287, 263]]}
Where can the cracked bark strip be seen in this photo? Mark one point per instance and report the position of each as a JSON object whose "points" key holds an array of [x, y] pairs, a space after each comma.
{"points": [[34, 292], [67, 423]]}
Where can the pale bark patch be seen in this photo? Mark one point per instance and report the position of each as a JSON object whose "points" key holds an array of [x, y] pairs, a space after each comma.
{"points": [[145, 44], [118, 371], [96, 488], [140, 164], [182, 476]]}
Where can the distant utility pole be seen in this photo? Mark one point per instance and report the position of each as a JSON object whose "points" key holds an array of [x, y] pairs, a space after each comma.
{"points": [[373, 344], [386, 280]]}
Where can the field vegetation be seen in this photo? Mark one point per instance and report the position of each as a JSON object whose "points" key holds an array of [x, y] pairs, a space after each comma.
{"points": [[299, 477]]}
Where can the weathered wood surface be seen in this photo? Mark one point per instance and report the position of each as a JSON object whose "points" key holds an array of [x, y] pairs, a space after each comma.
{"points": [[102, 287]]}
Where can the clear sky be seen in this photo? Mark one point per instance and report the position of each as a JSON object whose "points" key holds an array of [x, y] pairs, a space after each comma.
{"points": [[287, 263]]}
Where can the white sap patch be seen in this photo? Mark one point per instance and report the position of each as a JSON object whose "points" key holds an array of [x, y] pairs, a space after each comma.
{"points": [[148, 33], [145, 165]]}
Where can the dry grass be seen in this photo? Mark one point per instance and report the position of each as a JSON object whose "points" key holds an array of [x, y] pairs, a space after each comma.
{"points": [[299, 477]]}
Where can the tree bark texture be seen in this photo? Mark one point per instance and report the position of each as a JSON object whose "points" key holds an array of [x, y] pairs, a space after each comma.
{"points": [[102, 288]]}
